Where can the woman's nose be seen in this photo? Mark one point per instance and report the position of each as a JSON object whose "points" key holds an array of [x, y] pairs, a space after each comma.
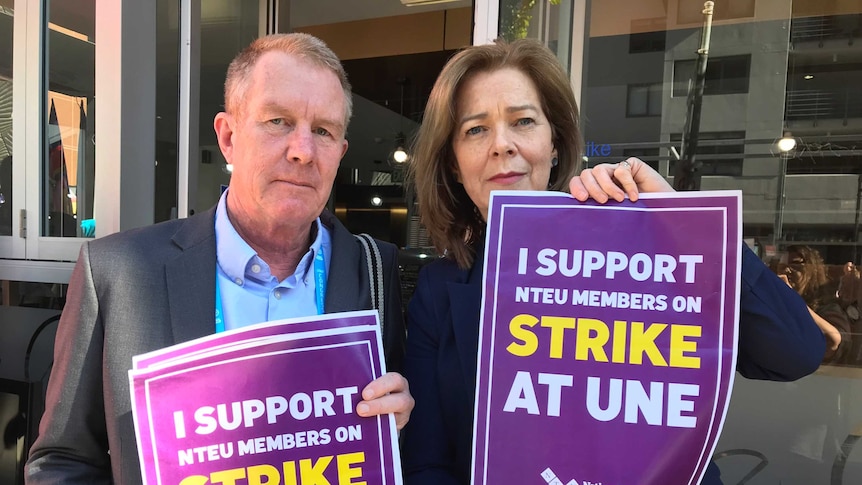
{"points": [[503, 144]]}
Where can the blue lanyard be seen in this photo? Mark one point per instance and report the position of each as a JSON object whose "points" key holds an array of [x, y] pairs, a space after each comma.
{"points": [[319, 291], [320, 280], [219, 311]]}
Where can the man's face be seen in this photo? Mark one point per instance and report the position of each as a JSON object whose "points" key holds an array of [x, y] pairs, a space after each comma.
{"points": [[286, 142]]}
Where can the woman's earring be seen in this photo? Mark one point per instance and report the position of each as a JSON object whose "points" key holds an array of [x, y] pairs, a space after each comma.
{"points": [[554, 162]]}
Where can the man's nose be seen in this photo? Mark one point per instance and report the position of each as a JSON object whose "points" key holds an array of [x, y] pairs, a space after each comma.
{"points": [[300, 146]]}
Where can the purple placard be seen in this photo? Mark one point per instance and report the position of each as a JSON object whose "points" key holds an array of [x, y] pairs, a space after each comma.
{"points": [[608, 343], [295, 420], [252, 332]]}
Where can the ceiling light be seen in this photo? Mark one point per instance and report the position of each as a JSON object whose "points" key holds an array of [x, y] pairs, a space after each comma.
{"points": [[787, 143], [376, 201], [808, 76], [399, 155]]}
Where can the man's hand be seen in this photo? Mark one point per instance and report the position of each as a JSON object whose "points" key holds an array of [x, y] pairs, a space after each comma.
{"points": [[387, 394], [616, 180]]}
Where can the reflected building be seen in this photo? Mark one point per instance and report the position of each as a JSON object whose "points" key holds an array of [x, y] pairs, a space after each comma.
{"points": [[782, 68]]}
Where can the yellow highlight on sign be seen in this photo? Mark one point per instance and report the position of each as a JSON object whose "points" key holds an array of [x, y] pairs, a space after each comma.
{"points": [[629, 342]]}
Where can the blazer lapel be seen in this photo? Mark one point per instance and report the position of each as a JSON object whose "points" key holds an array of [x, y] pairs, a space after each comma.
{"points": [[465, 295], [465, 301], [191, 279], [345, 288]]}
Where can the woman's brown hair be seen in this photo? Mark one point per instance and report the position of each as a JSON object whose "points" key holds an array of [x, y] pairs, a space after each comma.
{"points": [[807, 274], [453, 221]]}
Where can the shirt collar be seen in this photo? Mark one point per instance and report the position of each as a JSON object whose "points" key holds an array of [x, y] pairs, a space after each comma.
{"points": [[321, 240], [235, 256]]}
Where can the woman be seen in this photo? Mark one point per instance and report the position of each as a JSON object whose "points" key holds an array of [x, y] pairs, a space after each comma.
{"points": [[848, 287], [503, 116], [806, 273]]}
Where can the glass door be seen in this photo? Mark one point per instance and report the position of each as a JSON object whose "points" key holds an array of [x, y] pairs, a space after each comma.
{"points": [[61, 144], [11, 32]]}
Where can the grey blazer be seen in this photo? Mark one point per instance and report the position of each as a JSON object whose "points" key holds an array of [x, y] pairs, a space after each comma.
{"points": [[145, 289]]}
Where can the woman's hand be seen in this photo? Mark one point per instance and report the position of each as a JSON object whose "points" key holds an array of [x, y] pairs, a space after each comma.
{"points": [[833, 336], [616, 180]]}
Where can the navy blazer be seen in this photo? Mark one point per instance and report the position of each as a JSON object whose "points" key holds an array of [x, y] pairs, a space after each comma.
{"points": [[778, 340]]}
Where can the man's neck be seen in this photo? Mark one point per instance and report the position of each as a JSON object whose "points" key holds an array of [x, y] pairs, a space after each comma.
{"points": [[280, 246]]}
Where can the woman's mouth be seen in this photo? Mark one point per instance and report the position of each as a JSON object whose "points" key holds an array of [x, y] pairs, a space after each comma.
{"points": [[507, 178]]}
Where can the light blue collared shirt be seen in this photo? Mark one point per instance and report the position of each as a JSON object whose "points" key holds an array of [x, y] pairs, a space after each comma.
{"points": [[249, 292]]}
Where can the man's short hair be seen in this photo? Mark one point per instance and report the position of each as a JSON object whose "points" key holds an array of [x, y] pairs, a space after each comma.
{"points": [[301, 45]]}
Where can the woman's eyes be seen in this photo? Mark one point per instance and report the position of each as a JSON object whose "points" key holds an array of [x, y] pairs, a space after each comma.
{"points": [[518, 123]]}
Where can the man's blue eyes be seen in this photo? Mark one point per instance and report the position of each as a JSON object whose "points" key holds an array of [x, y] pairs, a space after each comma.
{"points": [[317, 131]]}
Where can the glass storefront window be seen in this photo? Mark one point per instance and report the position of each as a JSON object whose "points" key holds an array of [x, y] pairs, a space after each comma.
{"points": [[226, 28], [547, 20], [803, 86], [784, 72], [6, 39], [392, 55], [69, 142], [167, 108]]}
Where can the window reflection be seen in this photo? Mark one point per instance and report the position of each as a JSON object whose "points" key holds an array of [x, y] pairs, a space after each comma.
{"points": [[68, 161], [548, 20], [805, 86], [644, 100], [167, 108], [724, 75], [391, 77], [782, 69], [6, 38], [690, 12], [226, 28]]}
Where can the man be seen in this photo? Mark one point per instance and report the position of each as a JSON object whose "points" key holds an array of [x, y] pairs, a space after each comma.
{"points": [[287, 106]]}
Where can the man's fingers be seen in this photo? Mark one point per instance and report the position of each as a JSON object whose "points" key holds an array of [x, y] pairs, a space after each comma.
{"points": [[388, 394], [389, 382], [400, 404]]}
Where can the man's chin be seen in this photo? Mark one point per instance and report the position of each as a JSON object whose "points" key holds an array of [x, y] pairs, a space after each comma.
{"points": [[297, 211]]}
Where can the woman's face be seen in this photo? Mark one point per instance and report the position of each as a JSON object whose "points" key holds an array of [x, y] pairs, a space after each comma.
{"points": [[502, 139]]}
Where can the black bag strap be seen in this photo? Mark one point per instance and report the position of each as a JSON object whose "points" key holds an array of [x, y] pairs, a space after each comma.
{"points": [[375, 273]]}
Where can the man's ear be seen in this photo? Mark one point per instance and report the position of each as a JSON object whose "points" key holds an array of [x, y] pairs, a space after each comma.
{"points": [[223, 124], [344, 148]]}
